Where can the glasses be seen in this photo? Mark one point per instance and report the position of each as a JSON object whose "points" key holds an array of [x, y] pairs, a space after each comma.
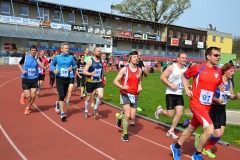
{"points": [[216, 55]]}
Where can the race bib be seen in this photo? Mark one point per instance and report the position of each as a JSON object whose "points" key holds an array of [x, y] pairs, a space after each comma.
{"points": [[80, 70], [206, 97], [225, 96], [98, 72], [71, 74], [131, 98], [64, 72], [31, 71], [40, 70], [180, 85]]}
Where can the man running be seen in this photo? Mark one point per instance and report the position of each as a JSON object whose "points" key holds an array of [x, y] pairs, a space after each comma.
{"points": [[95, 74], [51, 74], [81, 65], [28, 66], [174, 99], [130, 86], [206, 78], [64, 64], [41, 71]]}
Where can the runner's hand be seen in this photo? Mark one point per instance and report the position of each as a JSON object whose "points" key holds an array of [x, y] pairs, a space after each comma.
{"points": [[188, 93], [24, 72], [70, 69], [221, 87], [55, 71]]}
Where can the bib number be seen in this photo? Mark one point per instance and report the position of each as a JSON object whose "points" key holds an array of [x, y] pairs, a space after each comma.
{"points": [[180, 85], [206, 97], [225, 96], [131, 98], [64, 72], [31, 71], [40, 70]]}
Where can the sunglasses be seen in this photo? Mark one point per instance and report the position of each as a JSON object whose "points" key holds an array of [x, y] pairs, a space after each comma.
{"points": [[216, 55]]}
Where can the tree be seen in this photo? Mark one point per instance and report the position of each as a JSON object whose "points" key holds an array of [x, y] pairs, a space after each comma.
{"points": [[236, 46], [165, 11]]}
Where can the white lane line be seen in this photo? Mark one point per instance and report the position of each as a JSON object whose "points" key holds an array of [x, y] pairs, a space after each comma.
{"points": [[73, 135], [12, 144], [235, 148], [9, 81], [9, 74]]}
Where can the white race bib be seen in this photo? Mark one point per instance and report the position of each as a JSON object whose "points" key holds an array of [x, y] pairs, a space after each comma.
{"points": [[206, 97], [225, 95], [64, 72], [98, 72], [180, 85], [31, 71], [40, 70], [131, 98]]}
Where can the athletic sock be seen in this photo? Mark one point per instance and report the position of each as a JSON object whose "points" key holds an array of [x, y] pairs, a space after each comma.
{"points": [[197, 153], [98, 101], [178, 146], [39, 89], [212, 142], [86, 106], [125, 126]]}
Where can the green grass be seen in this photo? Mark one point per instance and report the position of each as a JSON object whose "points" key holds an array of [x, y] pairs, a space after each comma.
{"points": [[153, 94]]}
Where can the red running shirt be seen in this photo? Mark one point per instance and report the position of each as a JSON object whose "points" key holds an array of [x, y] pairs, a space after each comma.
{"points": [[205, 83], [45, 63], [132, 80]]}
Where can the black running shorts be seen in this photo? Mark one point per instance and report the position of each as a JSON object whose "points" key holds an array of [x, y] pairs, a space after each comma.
{"points": [[173, 100], [41, 77], [71, 80], [90, 87], [218, 115], [27, 84]]}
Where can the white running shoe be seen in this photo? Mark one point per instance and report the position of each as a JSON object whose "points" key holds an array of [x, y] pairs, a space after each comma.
{"points": [[132, 123], [158, 112], [57, 107], [172, 134]]}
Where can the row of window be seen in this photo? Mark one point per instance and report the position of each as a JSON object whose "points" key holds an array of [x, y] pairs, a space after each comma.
{"points": [[186, 36], [43, 14], [214, 39]]}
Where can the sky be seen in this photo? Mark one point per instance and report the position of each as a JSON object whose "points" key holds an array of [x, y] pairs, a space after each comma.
{"points": [[222, 14]]}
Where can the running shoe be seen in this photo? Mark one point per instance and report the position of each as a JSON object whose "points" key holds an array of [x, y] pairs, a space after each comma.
{"points": [[196, 157], [26, 112], [196, 142], [68, 103], [208, 153], [132, 123], [57, 107], [85, 114], [158, 112], [175, 152], [95, 113], [63, 116], [119, 121], [139, 109], [125, 137], [172, 134], [22, 99]]}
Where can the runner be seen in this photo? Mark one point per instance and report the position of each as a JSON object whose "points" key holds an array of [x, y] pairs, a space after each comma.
{"points": [[111, 60], [81, 65], [28, 66], [51, 74], [64, 64], [41, 71], [206, 78], [95, 74], [174, 99], [130, 86], [218, 109]]}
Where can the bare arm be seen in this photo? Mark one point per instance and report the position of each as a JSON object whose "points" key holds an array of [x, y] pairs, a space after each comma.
{"points": [[164, 77], [119, 77], [85, 71], [188, 91], [144, 70]]}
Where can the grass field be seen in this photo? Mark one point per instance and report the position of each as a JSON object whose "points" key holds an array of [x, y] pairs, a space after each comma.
{"points": [[153, 94]]}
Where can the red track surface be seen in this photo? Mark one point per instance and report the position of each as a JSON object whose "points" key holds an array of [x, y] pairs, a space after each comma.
{"points": [[42, 135]]}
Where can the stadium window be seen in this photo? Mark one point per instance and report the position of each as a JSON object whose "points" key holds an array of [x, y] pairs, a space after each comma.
{"points": [[71, 18], [191, 37], [96, 21], [148, 30], [43, 14], [108, 46], [57, 16], [119, 25], [85, 20], [24, 11], [139, 28], [102, 45], [170, 33], [114, 43], [98, 45], [155, 47], [164, 48], [134, 45], [178, 34], [108, 23], [214, 38], [5, 8], [148, 46], [129, 27], [184, 37], [222, 39], [140, 45], [197, 38]]}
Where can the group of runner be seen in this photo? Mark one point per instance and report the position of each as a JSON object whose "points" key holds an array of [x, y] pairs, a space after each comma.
{"points": [[209, 92]]}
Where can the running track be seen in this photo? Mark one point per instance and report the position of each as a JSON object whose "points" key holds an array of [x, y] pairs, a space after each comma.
{"points": [[42, 135]]}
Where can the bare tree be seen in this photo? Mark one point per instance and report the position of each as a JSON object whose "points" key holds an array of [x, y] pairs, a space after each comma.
{"points": [[165, 11]]}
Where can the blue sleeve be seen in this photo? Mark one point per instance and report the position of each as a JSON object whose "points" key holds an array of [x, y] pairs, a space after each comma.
{"points": [[73, 64], [54, 63]]}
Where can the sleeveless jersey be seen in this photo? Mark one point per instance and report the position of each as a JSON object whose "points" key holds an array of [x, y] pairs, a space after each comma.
{"points": [[81, 67], [31, 66], [175, 78], [45, 63], [97, 67], [131, 79]]}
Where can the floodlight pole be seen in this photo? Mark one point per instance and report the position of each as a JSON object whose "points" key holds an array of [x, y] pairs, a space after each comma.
{"points": [[13, 13]]}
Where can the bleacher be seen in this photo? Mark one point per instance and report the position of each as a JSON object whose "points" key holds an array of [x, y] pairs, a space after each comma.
{"points": [[54, 48]]}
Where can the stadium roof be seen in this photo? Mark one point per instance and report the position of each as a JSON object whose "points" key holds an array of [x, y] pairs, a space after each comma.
{"points": [[9, 30]]}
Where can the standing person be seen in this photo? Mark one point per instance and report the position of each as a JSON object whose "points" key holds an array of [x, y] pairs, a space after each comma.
{"points": [[87, 55], [28, 66], [174, 99], [117, 63], [130, 86], [104, 62], [64, 64], [71, 86], [111, 60], [81, 65], [41, 71], [231, 62], [218, 109], [51, 74], [95, 74], [206, 78]]}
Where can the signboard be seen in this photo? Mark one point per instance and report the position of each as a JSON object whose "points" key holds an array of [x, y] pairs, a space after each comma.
{"points": [[158, 38], [125, 34], [108, 32], [174, 41], [137, 35], [45, 23], [10, 46], [151, 37], [19, 21], [188, 42], [144, 36], [79, 28], [200, 45], [60, 26], [14, 60]]}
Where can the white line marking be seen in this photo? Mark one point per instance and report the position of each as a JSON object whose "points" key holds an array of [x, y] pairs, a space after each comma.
{"points": [[9, 81], [9, 74], [89, 145], [235, 148], [12, 144]]}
